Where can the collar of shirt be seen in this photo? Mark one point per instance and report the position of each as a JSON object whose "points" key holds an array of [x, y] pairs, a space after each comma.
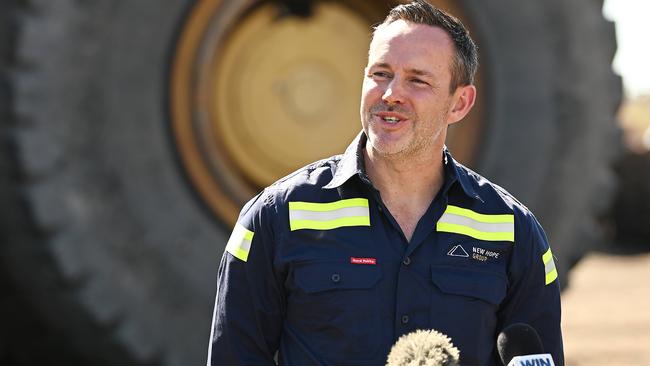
{"points": [[352, 164]]}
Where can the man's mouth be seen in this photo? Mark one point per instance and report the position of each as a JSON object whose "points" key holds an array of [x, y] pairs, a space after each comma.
{"points": [[391, 120]]}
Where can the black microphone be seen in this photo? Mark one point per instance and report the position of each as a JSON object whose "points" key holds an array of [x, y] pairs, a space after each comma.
{"points": [[519, 344], [423, 347]]}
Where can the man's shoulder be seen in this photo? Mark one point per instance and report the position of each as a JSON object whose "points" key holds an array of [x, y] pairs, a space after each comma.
{"points": [[311, 176], [492, 195], [495, 200], [307, 181]]}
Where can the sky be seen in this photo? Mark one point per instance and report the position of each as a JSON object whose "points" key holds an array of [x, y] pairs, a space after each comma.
{"points": [[632, 60]]}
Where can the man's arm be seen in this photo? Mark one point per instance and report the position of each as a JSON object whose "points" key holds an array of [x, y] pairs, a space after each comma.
{"points": [[534, 291], [248, 313]]}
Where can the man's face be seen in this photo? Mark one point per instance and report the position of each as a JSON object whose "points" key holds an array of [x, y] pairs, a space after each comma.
{"points": [[405, 100]]}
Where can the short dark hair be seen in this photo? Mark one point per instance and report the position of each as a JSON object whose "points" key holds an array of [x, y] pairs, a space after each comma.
{"points": [[465, 62]]}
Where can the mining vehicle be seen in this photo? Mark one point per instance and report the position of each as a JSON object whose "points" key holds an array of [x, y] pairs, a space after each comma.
{"points": [[132, 132]]}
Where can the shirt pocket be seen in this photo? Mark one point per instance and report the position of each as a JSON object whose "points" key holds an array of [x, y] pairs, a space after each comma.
{"points": [[465, 302], [334, 307]]}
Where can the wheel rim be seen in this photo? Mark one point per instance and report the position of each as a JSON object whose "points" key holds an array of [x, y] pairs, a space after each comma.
{"points": [[255, 95]]}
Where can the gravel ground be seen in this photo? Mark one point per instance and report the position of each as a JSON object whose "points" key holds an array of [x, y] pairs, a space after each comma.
{"points": [[606, 311]]}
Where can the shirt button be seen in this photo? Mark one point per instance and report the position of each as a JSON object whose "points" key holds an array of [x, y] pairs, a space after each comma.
{"points": [[407, 261], [405, 319], [336, 277]]}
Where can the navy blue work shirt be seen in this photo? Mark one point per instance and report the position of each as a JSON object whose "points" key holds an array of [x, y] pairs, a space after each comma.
{"points": [[319, 271]]}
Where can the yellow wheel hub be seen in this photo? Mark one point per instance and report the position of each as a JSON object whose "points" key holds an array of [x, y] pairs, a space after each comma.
{"points": [[286, 91]]}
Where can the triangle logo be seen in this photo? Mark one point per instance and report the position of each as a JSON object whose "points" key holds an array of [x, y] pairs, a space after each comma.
{"points": [[458, 251]]}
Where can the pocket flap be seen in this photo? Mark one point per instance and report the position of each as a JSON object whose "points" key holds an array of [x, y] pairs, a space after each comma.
{"points": [[487, 286], [325, 276]]}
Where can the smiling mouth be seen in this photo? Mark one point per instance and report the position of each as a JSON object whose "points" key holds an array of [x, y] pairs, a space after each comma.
{"points": [[391, 120]]}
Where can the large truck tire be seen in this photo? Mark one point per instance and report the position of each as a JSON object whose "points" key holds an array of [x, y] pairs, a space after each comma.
{"points": [[104, 227]]}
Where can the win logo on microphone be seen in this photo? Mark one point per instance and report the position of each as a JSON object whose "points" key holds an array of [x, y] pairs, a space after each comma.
{"points": [[532, 360]]}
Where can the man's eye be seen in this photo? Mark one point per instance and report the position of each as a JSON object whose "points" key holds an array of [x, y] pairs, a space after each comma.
{"points": [[380, 74], [419, 81]]}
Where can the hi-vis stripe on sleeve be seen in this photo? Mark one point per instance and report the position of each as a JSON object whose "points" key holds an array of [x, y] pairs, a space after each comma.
{"points": [[239, 243], [330, 215], [549, 266], [479, 226]]}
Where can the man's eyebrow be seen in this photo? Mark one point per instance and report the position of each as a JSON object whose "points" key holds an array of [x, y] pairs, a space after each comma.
{"points": [[418, 72], [382, 65]]}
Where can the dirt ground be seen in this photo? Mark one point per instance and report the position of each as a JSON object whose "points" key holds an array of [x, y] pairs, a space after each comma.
{"points": [[606, 311]]}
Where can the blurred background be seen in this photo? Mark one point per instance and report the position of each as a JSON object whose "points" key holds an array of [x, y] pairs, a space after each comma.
{"points": [[605, 318], [131, 132]]}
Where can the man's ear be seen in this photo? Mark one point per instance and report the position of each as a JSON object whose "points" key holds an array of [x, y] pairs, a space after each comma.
{"points": [[463, 101]]}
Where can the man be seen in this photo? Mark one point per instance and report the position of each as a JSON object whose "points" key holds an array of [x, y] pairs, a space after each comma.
{"points": [[332, 264]]}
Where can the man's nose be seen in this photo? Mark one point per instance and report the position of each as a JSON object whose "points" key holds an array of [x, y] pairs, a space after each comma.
{"points": [[394, 93]]}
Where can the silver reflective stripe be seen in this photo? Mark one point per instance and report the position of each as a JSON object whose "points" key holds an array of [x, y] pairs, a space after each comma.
{"points": [[476, 225], [489, 227], [549, 267], [328, 215]]}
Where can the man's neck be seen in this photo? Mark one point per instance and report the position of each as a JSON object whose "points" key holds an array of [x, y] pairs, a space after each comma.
{"points": [[421, 176], [407, 186]]}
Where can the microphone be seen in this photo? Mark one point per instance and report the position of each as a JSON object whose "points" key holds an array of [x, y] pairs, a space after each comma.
{"points": [[519, 345], [423, 347]]}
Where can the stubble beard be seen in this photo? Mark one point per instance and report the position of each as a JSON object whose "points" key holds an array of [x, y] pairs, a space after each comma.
{"points": [[417, 144]]}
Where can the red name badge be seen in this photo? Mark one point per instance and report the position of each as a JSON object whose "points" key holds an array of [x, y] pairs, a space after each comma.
{"points": [[355, 260]]}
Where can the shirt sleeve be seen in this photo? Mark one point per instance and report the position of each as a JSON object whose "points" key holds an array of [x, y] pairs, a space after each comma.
{"points": [[534, 291], [247, 318]]}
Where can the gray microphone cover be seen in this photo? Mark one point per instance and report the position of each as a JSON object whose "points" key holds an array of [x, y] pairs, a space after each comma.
{"points": [[423, 348]]}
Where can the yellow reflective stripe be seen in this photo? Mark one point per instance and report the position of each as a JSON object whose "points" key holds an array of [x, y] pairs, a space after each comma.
{"points": [[501, 218], [239, 253], [240, 241], [458, 220], [551, 276], [329, 215], [549, 266], [330, 224], [328, 206], [546, 257], [481, 235]]}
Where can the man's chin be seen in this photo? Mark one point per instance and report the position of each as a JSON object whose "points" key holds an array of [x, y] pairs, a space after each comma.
{"points": [[387, 149]]}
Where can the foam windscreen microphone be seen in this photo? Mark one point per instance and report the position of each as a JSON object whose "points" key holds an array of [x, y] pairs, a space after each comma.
{"points": [[519, 344], [423, 348]]}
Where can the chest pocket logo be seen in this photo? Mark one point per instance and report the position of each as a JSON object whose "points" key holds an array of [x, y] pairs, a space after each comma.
{"points": [[460, 220], [458, 251]]}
